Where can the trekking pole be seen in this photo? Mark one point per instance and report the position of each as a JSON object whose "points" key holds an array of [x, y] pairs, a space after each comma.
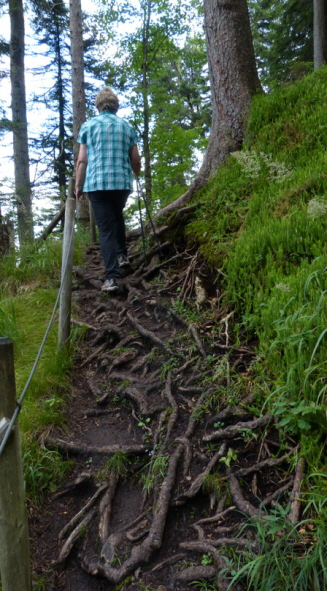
{"points": [[139, 204], [139, 191]]}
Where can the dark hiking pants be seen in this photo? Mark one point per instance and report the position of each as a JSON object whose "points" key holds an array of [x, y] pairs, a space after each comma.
{"points": [[108, 212]]}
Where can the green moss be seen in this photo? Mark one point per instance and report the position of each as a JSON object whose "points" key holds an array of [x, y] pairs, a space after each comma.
{"points": [[264, 225]]}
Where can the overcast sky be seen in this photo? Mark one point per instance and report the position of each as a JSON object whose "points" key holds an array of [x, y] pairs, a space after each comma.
{"points": [[35, 84]]}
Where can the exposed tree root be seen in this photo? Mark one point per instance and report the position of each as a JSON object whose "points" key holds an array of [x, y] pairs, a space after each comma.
{"points": [[168, 561], [72, 523], [272, 462], [147, 334], [76, 533], [231, 411], [198, 482], [123, 359], [239, 499], [220, 516], [73, 448], [177, 433], [275, 495], [151, 272], [236, 430], [193, 573], [141, 362], [141, 554], [174, 415], [197, 339], [93, 355], [106, 507], [295, 501]]}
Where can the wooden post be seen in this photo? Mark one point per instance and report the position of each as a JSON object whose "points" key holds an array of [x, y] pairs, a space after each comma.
{"points": [[14, 540], [67, 268], [93, 230]]}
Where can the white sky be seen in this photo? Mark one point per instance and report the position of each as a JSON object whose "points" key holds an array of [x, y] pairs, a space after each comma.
{"points": [[36, 116]]}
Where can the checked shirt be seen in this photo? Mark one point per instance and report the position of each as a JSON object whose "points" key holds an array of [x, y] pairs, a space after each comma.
{"points": [[108, 139]]}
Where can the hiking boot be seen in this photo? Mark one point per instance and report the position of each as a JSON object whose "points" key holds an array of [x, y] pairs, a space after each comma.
{"points": [[109, 285], [123, 261]]}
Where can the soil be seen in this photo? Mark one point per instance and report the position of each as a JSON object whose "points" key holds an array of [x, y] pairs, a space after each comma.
{"points": [[154, 381]]}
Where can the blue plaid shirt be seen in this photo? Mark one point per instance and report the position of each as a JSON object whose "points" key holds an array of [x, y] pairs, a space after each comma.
{"points": [[109, 140]]}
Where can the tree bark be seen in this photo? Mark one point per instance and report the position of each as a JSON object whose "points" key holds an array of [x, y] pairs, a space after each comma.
{"points": [[61, 161], [76, 37], [18, 97], [319, 33], [146, 117], [233, 79]]}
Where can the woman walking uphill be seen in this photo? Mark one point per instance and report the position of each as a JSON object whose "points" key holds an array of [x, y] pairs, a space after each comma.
{"points": [[107, 156]]}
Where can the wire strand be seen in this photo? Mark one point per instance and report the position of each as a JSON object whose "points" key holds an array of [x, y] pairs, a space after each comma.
{"points": [[32, 372]]}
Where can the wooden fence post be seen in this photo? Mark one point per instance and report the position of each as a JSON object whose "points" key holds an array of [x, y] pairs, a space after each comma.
{"points": [[14, 540], [67, 261]]}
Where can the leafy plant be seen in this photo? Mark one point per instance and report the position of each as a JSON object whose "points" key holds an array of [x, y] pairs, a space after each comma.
{"points": [[231, 457], [43, 469]]}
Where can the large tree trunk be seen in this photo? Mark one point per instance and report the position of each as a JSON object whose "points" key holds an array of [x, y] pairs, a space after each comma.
{"points": [[319, 33], [61, 161], [234, 80], [146, 116], [76, 37], [18, 97]]}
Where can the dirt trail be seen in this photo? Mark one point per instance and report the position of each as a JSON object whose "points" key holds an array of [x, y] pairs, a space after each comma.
{"points": [[194, 461]]}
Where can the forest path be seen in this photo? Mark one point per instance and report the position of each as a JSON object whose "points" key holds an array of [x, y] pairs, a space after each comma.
{"points": [[171, 455]]}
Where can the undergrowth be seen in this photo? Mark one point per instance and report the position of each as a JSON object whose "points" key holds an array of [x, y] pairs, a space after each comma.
{"points": [[263, 224], [28, 287]]}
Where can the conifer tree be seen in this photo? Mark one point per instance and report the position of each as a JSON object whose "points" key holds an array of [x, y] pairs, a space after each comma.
{"points": [[283, 38], [51, 25]]}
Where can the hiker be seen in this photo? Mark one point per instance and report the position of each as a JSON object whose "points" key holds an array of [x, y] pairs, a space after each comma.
{"points": [[107, 156]]}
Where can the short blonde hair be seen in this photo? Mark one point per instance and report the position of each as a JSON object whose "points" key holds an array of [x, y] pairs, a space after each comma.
{"points": [[107, 100]]}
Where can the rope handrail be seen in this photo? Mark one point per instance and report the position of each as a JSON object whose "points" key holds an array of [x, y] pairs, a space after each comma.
{"points": [[19, 402]]}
